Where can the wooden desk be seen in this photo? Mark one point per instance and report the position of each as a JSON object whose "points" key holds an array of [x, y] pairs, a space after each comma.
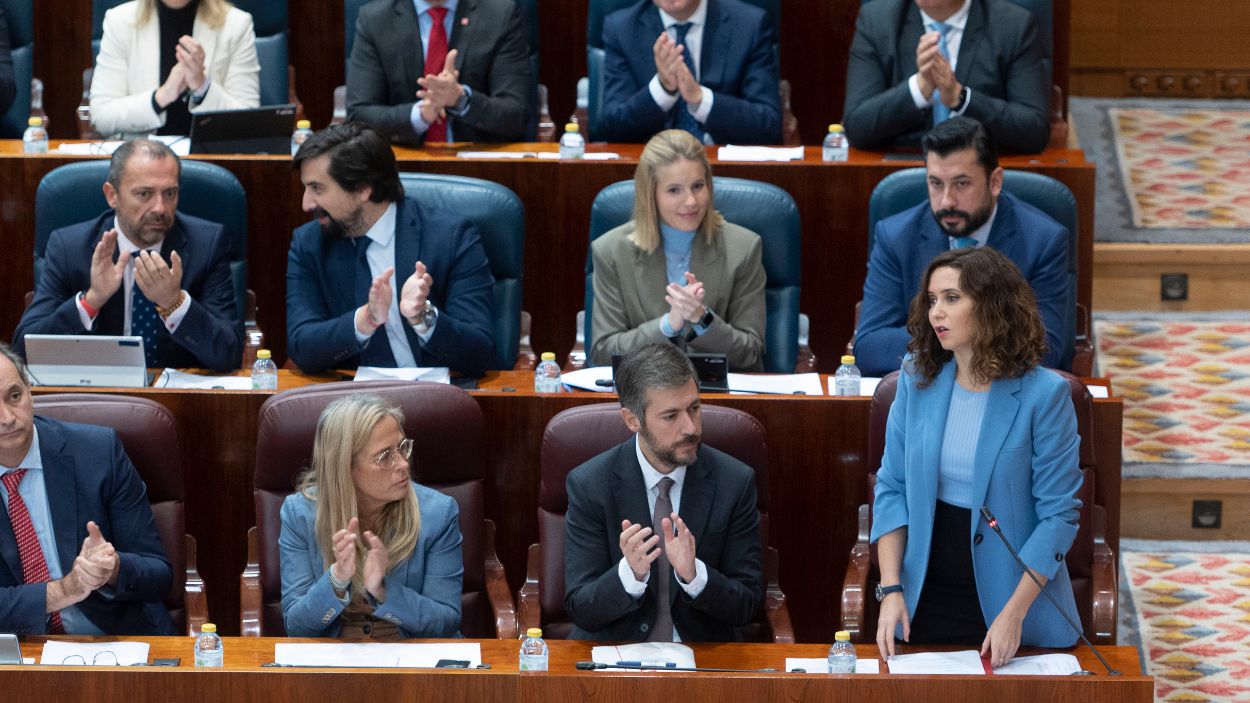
{"points": [[244, 679], [832, 201], [816, 456]]}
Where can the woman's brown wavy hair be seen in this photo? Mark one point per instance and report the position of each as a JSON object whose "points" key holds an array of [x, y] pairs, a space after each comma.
{"points": [[1008, 338]]}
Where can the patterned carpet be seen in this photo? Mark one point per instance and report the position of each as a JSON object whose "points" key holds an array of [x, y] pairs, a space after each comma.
{"points": [[1185, 380], [1191, 603], [1169, 171]]}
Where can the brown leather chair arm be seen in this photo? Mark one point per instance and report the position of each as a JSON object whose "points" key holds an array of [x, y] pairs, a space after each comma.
{"points": [[497, 587], [775, 608], [529, 607], [526, 359], [253, 338], [1105, 583], [789, 123], [249, 589], [194, 599], [855, 585], [1083, 349], [547, 129]]}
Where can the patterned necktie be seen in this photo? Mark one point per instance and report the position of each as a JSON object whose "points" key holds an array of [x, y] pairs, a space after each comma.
{"points": [[378, 350], [940, 111], [662, 631], [145, 323], [685, 120], [435, 57], [34, 566], [963, 242]]}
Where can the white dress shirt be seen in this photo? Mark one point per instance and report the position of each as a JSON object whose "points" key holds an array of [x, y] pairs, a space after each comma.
{"points": [[124, 245], [381, 256], [954, 38], [694, 46]]}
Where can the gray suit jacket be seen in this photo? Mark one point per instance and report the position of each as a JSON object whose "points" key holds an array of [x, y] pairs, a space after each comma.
{"points": [[493, 60], [999, 59], [629, 295]]}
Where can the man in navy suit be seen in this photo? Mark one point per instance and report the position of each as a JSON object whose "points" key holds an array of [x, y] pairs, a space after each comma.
{"points": [[79, 550], [707, 66], [141, 268], [967, 207], [376, 279]]}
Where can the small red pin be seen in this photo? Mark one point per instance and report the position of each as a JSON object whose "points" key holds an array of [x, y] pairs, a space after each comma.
{"points": [[464, 21]]}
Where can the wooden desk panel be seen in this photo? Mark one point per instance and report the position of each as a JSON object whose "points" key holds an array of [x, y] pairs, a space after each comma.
{"points": [[817, 449], [832, 201], [244, 679]]}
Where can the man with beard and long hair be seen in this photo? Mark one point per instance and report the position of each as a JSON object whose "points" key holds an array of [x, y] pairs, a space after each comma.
{"points": [[141, 268], [967, 207], [377, 279], [661, 535]]}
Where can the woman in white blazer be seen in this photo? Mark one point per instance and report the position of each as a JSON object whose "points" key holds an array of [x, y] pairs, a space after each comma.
{"points": [[212, 66]]}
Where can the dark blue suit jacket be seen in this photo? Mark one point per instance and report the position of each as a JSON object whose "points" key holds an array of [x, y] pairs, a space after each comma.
{"points": [[89, 477], [903, 246], [737, 64], [211, 334], [321, 299]]}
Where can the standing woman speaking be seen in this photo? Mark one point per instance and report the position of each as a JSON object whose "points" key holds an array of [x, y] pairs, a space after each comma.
{"points": [[976, 422]]}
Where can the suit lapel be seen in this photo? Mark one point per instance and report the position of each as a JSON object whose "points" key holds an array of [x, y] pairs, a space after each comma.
{"points": [[463, 30], [407, 251], [112, 316], [939, 395], [933, 241], [652, 279], [407, 32], [628, 487], [717, 35], [61, 483], [8, 548], [908, 39], [707, 264], [974, 31], [697, 495], [1004, 234], [176, 240], [1000, 413]]}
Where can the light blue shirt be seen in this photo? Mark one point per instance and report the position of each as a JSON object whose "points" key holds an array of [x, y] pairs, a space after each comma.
{"points": [[381, 256], [425, 23], [959, 446], [35, 494], [677, 247], [981, 234]]}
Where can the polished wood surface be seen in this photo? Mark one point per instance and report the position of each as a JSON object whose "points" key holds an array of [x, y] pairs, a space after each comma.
{"points": [[832, 201], [817, 448], [244, 678]]}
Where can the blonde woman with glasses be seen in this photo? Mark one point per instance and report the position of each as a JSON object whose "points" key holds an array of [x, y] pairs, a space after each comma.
{"points": [[366, 551]]}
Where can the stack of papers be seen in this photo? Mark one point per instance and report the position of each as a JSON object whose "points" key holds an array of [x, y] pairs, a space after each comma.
{"points": [[375, 655], [172, 378], [970, 662], [821, 666], [94, 653], [759, 153], [437, 374], [644, 652]]}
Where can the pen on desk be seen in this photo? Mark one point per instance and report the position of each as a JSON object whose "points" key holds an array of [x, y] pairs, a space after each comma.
{"points": [[657, 664]]}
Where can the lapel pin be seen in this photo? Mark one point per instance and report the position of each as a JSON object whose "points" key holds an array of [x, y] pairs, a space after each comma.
{"points": [[464, 21]]}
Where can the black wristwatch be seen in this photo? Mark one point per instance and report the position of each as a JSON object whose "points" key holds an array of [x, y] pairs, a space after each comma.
{"points": [[883, 591], [708, 318], [963, 99]]}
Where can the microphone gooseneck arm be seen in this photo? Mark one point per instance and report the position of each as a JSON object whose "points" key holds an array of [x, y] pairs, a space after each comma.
{"points": [[591, 666], [989, 519]]}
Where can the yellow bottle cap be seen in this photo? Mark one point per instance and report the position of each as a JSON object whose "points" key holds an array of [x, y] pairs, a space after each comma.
{"points": [[842, 636], [549, 356], [848, 359], [34, 122], [835, 127], [263, 354], [303, 124], [208, 627], [572, 127], [534, 632]]}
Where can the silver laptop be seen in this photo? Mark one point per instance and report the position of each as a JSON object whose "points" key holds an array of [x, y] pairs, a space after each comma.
{"points": [[86, 360]]}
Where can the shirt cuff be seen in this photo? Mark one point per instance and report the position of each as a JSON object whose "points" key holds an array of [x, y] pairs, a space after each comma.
{"points": [[198, 96], [429, 331], [633, 586], [419, 125], [175, 317], [661, 97], [705, 105], [695, 587], [666, 329], [964, 107], [917, 98], [87, 320]]}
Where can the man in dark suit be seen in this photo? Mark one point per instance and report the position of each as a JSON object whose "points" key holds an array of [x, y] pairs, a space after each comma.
{"points": [[79, 550], [141, 268], [464, 77], [913, 63], [967, 207], [662, 535], [707, 66], [377, 279]]}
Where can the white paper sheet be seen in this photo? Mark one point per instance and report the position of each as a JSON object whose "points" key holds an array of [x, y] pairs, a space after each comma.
{"points": [[585, 378], [1040, 665], [437, 374], [814, 665], [172, 378], [375, 655], [781, 383], [965, 662], [867, 385], [1098, 391], [594, 156], [123, 653], [496, 154], [180, 145], [759, 153], [679, 654]]}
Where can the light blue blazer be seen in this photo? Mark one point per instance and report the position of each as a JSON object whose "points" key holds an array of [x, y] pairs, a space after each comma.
{"points": [[1026, 470], [422, 594]]}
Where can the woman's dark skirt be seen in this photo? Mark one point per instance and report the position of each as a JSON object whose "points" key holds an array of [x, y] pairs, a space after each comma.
{"points": [[949, 611]]}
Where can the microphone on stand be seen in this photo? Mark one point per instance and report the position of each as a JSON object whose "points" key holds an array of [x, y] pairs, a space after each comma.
{"points": [[591, 666], [993, 524]]}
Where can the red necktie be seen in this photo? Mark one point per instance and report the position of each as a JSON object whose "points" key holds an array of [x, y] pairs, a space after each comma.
{"points": [[435, 57], [34, 566]]}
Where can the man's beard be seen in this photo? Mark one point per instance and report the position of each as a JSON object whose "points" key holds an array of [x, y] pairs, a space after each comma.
{"points": [[150, 230], [670, 455], [338, 229], [972, 221]]}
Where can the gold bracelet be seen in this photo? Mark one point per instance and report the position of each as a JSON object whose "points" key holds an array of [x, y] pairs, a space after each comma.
{"points": [[166, 312]]}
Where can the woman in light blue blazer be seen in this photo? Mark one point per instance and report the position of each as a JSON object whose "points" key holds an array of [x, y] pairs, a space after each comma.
{"points": [[366, 551], [976, 422]]}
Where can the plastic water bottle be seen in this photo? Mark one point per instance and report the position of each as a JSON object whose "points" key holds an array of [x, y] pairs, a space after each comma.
{"points": [[547, 375], [35, 138], [846, 380], [835, 147], [303, 130], [533, 651], [208, 649], [572, 146], [842, 654], [264, 372]]}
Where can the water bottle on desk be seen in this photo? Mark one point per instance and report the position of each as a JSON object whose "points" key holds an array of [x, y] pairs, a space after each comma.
{"points": [[846, 380], [264, 372], [533, 651], [547, 375], [572, 146], [35, 139], [208, 649], [842, 654], [835, 147], [303, 130]]}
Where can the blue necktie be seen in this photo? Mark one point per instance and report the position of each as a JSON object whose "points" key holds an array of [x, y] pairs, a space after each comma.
{"points": [[685, 120], [145, 323], [377, 351], [963, 242], [940, 111]]}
